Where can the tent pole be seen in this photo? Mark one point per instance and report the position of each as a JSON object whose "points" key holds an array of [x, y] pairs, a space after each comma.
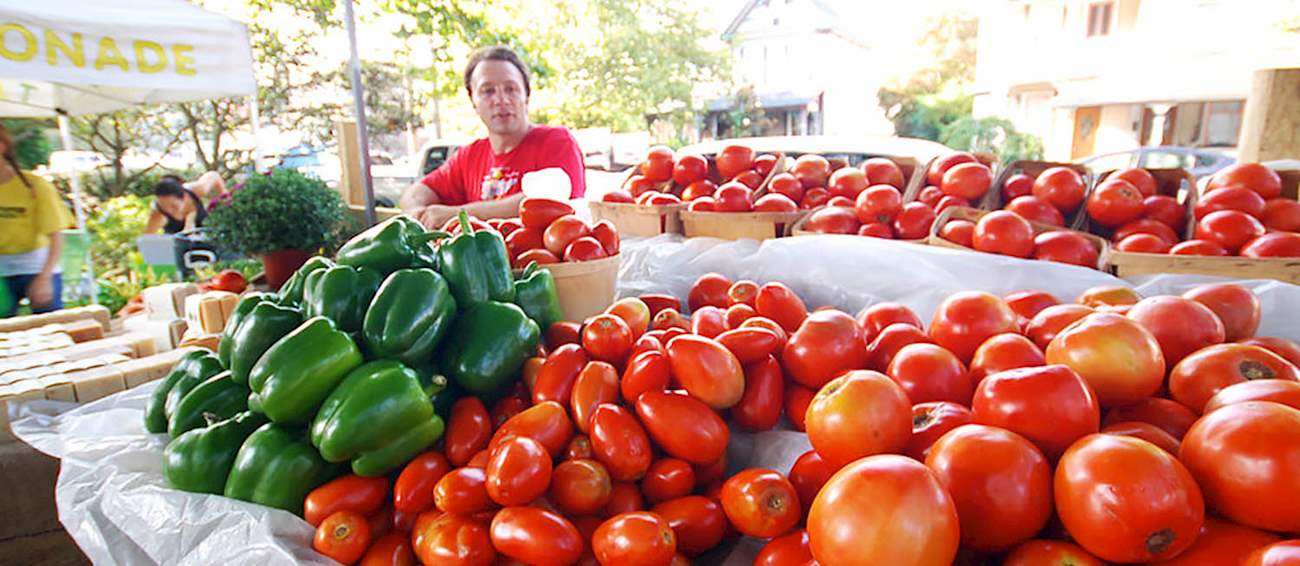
{"points": [[65, 132], [359, 107], [255, 118]]}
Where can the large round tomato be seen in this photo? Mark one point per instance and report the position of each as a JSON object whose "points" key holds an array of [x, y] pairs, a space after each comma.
{"points": [[833, 220], [760, 503], [928, 372], [1066, 247], [343, 536], [914, 221], [1221, 542], [1035, 209], [1147, 226], [1029, 302], [638, 538], [1166, 210], [1017, 186], [1051, 406], [760, 407], [847, 182], [1141, 179], [941, 165], [1000, 483], [965, 320], [662, 414], [1246, 456], [1230, 198], [1280, 346], [699, 190], [1198, 247], [459, 540], [1125, 500], [808, 474], [966, 180], [1276, 244], [690, 168], [775, 203], [1196, 378], [786, 184], [883, 171], [960, 232], [1004, 352], [619, 442], [1040, 552], [1231, 229], [1181, 326], [826, 344], [812, 170], [518, 471], [1237, 308], [709, 289], [878, 203], [580, 487], [1171, 416], [883, 510], [733, 197], [1254, 176], [1143, 244], [779, 303], [708, 321], [795, 406], [750, 179], [1108, 295], [607, 338], [1005, 233], [1052, 320], [764, 163], [733, 160], [1285, 553], [1145, 431], [1282, 214], [876, 317], [858, 414], [1061, 186], [1275, 390], [1115, 202], [930, 421], [1115, 355], [697, 521], [790, 549], [706, 370], [658, 164], [891, 339]]}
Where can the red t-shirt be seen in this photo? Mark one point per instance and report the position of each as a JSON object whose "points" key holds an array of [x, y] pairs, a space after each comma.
{"points": [[475, 173]]}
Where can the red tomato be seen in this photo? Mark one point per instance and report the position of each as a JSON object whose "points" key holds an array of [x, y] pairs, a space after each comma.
{"points": [[561, 232], [1181, 326], [750, 179], [1061, 186], [698, 522], [878, 203], [597, 383], [940, 165], [343, 536], [1000, 483], [893, 338], [960, 232], [1017, 186], [1165, 209], [1030, 302], [847, 182], [759, 408], [667, 478], [1230, 198], [670, 319], [913, 221], [930, 421], [1066, 247], [1035, 209], [1050, 553], [392, 549], [737, 314], [518, 471], [1285, 553], [699, 190], [1103, 295], [1246, 456], [619, 442], [663, 413], [607, 338], [1141, 179], [883, 510], [1169, 416], [1275, 390], [702, 204], [526, 239], [708, 322], [1052, 320], [949, 201], [354, 493], [634, 312], [580, 487], [542, 257], [1115, 355], [840, 202], [502, 411], [1145, 431], [779, 303], [965, 320], [790, 549], [1051, 406], [775, 203], [706, 370], [413, 491], [709, 290], [1282, 214], [733, 160], [579, 448], [1221, 542], [658, 164], [229, 280], [858, 414], [733, 197], [1199, 376], [452, 539], [1198, 247], [1004, 352], [1280, 346], [585, 248], [931, 373], [1253, 176], [811, 170], [827, 344], [1277, 244], [814, 198], [690, 168], [563, 332], [930, 196], [648, 371], [1231, 229], [883, 171], [624, 498], [832, 220], [1125, 500], [1115, 202], [797, 400], [765, 323], [808, 474], [539, 213], [1005, 233], [535, 536], [658, 302], [760, 503], [786, 184], [876, 317], [559, 372], [605, 233], [763, 164], [637, 539], [1143, 244], [545, 422], [619, 196], [966, 180]]}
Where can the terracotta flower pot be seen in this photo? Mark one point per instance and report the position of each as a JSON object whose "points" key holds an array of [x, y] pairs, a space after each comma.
{"points": [[279, 265]]}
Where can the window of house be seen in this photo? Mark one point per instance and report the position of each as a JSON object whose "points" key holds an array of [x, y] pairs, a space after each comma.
{"points": [[1099, 18], [1223, 123]]}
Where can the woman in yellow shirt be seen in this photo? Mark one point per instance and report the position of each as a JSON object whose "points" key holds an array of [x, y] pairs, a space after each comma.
{"points": [[31, 217]]}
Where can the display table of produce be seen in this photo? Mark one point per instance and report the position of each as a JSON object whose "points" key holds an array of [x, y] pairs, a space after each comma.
{"points": [[115, 500]]}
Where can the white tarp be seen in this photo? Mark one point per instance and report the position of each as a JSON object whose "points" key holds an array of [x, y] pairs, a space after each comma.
{"points": [[112, 498], [92, 56]]}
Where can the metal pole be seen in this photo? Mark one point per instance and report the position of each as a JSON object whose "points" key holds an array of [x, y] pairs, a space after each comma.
{"points": [[87, 281], [255, 118], [359, 107]]}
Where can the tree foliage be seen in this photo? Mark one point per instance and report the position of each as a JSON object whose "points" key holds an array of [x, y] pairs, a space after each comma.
{"points": [[991, 135], [934, 97], [31, 146]]}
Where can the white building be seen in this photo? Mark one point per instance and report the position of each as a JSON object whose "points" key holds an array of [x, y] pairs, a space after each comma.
{"points": [[1099, 76]]}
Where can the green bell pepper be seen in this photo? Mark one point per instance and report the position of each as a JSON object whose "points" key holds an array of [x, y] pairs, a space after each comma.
{"points": [[291, 291], [193, 368], [199, 461], [408, 316], [535, 293], [488, 344], [278, 467], [218, 396], [397, 243], [379, 418], [264, 326], [246, 305], [477, 266], [341, 293], [292, 379]]}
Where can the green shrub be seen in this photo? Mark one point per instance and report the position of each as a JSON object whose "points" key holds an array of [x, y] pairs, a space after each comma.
{"points": [[994, 135], [114, 225], [282, 210]]}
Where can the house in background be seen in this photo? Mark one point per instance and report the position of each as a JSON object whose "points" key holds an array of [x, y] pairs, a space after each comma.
{"points": [[810, 69], [1100, 76]]}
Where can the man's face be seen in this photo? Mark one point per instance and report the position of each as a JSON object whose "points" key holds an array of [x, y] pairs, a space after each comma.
{"points": [[499, 97]]}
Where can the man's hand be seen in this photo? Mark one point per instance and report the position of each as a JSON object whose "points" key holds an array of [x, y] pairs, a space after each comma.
{"points": [[435, 215], [41, 290]]}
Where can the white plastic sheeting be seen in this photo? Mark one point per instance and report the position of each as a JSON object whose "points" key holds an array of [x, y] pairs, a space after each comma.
{"points": [[113, 500]]}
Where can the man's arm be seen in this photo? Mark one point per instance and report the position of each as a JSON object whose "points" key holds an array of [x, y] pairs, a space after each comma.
{"points": [[417, 196]]}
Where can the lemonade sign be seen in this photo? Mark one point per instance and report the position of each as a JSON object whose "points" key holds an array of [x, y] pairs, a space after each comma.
{"points": [[22, 44]]}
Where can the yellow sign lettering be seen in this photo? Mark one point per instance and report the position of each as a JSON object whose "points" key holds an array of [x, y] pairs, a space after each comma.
{"points": [[110, 55], [184, 62], [28, 38], [143, 49], [76, 53]]}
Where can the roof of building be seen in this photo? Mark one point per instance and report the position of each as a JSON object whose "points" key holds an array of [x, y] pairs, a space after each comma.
{"points": [[829, 22]]}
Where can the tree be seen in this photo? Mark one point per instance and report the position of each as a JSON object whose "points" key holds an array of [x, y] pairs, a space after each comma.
{"points": [[934, 97], [991, 135], [31, 146], [118, 134]]}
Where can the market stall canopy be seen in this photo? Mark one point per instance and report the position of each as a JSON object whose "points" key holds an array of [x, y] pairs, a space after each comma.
{"points": [[92, 56]]}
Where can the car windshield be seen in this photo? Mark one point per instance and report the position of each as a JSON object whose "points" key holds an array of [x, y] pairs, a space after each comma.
{"points": [[1167, 160]]}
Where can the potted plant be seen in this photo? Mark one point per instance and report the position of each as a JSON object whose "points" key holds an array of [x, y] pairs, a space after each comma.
{"points": [[284, 217]]}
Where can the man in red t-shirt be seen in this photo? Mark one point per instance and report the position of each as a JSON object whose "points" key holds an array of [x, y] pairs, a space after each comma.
{"points": [[484, 177]]}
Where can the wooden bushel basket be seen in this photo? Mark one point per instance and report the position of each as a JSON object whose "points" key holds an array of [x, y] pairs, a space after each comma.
{"points": [[739, 225], [973, 215], [586, 288], [637, 219]]}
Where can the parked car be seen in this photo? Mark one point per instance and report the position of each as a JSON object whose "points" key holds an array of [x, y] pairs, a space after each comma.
{"points": [[1199, 162]]}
